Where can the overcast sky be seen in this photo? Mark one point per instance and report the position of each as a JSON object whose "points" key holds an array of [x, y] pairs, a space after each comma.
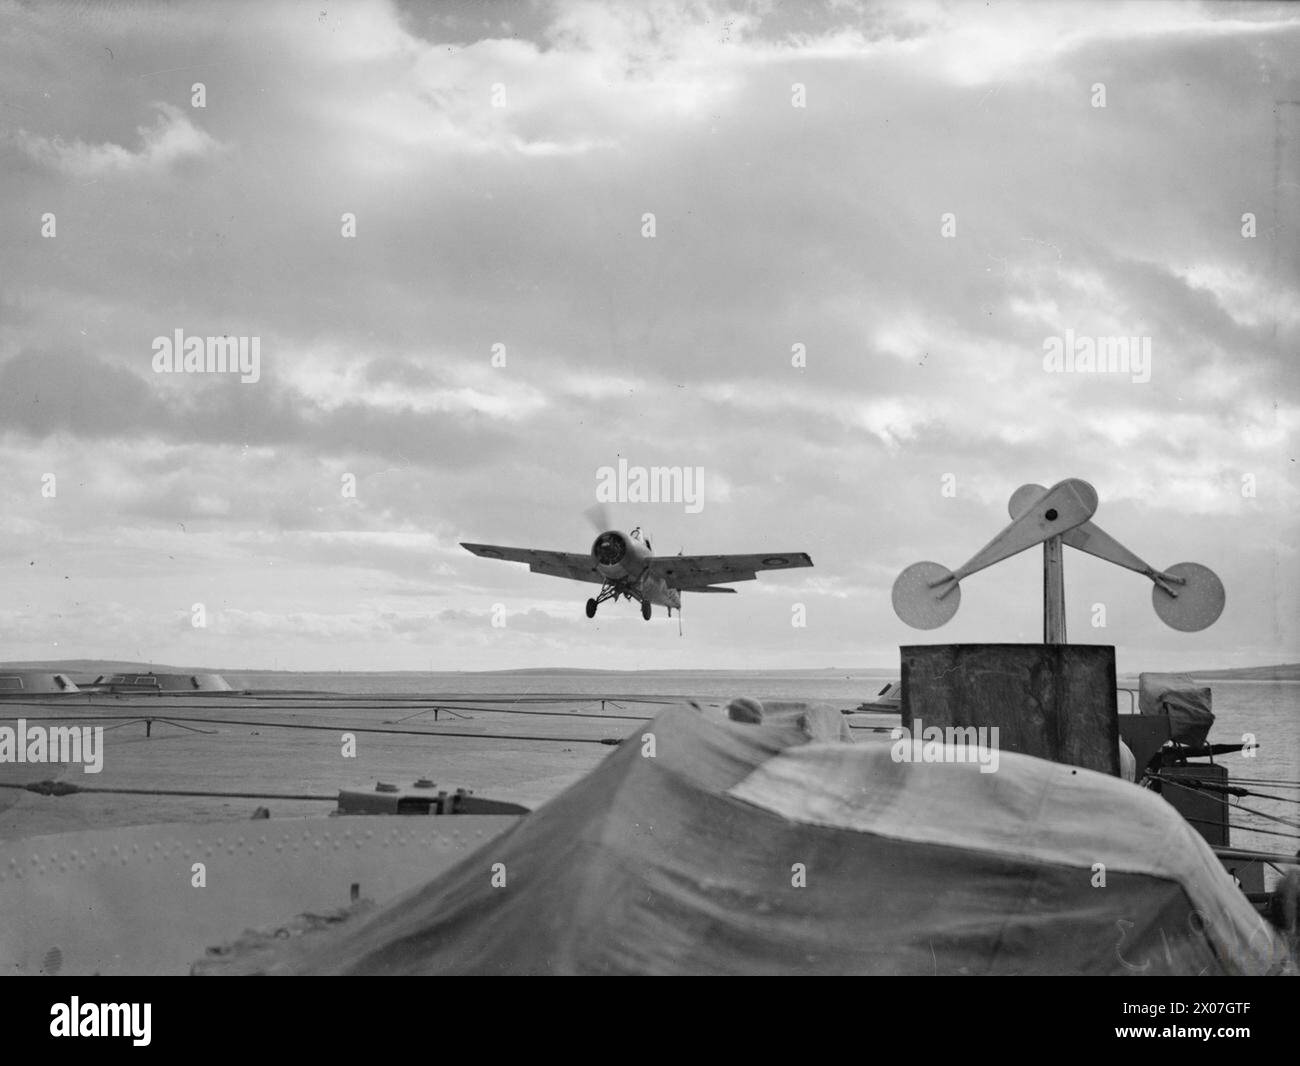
{"points": [[499, 160]]}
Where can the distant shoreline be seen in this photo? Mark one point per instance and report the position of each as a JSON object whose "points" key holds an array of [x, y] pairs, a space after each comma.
{"points": [[1279, 672], [1282, 672]]}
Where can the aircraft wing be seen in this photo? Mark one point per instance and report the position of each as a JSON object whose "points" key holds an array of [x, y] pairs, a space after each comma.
{"points": [[691, 573], [573, 565]]}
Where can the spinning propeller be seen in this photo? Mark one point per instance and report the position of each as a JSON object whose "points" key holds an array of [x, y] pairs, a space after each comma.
{"points": [[1186, 596], [599, 517]]}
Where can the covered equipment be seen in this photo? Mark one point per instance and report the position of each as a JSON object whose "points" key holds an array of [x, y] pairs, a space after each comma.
{"points": [[704, 845]]}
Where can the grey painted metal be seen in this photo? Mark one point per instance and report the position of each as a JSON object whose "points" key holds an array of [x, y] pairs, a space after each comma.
{"points": [[1065, 505], [146, 682], [35, 682], [1087, 537], [1198, 602], [1187, 596], [920, 589], [915, 600]]}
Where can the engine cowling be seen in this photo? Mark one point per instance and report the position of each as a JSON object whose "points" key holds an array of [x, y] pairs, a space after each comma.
{"points": [[619, 556]]}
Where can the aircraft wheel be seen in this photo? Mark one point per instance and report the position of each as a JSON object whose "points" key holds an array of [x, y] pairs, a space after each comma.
{"points": [[645, 610], [591, 608]]}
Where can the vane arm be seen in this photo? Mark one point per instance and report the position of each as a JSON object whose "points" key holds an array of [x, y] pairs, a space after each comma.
{"points": [[1186, 596], [1089, 537], [1056, 510]]}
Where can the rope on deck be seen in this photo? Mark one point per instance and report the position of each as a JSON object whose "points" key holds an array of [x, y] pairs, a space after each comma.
{"points": [[1207, 786], [1244, 829], [326, 728], [64, 788]]}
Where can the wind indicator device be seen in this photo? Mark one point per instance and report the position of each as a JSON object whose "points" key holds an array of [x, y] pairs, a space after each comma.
{"points": [[1186, 596]]}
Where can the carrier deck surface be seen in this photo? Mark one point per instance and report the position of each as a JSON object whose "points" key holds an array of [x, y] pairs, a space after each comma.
{"points": [[243, 750]]}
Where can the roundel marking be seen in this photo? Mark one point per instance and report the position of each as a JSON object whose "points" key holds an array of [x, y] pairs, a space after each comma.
{"points": [[776, 560]]}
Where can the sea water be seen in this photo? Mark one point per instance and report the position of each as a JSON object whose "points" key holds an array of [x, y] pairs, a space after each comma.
{"points": [[1267, 711]]}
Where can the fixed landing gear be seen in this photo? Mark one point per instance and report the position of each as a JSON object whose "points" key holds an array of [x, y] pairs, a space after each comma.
{"points": [[609, 592], [613, 592]]}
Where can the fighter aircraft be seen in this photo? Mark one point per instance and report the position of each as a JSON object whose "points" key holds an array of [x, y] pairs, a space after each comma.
{"points": [[624, 564]]}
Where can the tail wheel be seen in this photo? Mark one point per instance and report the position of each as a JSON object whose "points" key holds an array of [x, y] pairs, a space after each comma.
{"points": [[645, 610], [591, 608]]}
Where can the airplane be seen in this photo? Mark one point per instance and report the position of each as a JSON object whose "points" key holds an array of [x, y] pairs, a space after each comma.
{"points": [[625, 565]]}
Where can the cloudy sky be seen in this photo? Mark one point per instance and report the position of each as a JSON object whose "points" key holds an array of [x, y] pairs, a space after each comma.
{"points": [[948, 197]]}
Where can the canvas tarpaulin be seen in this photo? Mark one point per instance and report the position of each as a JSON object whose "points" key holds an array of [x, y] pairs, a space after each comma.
{"points": [[711, 846], [1185, 702]]}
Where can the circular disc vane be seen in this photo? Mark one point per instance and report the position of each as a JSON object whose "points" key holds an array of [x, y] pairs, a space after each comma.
{"points": [[919, 604], [1024, 498], [1199, 602]]}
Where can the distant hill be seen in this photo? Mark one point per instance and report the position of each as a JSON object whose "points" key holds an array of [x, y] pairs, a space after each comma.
{"points": [[1282, 672], [93, 667], [105, 666], [116, 666]]}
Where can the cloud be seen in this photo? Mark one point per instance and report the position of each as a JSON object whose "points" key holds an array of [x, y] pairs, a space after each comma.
{"points": [[171, 139], [43, 392], [512, 221]]}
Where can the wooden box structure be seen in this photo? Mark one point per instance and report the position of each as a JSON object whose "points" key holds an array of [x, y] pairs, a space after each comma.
{"points": [[1054, 701]]}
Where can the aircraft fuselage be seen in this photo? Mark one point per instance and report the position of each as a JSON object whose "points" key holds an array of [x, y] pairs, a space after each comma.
{"points": [[624, 561]]}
